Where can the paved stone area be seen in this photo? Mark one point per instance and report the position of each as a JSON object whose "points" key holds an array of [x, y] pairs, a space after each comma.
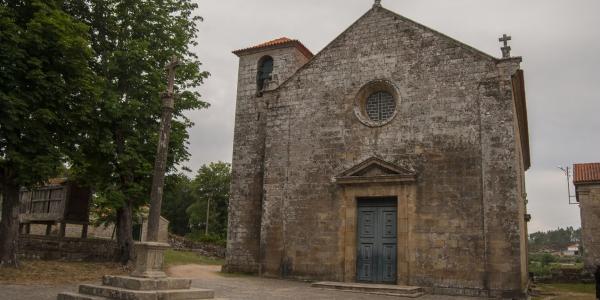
{"points": [[229, 287]]}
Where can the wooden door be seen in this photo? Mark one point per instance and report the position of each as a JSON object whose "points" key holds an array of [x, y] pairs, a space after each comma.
{"points": [[377, 240]]}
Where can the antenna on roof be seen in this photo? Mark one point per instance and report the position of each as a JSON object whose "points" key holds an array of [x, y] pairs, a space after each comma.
{"points": [[567, 172]]}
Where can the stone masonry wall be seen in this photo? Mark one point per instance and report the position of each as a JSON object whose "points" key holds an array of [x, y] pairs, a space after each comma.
{"points": [[589, 203], [245, 204], [455, 126]]}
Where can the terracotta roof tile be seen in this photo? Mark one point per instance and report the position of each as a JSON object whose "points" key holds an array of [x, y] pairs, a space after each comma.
{"points": [[278, 42], [586, 173]]}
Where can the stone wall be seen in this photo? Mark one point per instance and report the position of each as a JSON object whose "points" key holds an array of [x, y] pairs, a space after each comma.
{"points": [[245, 205], [50, 248], [74, 230], [589, 203], [455, 126], [206, 249]]}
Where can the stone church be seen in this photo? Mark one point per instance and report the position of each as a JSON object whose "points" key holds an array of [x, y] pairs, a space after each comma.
{"points": [[395, 155]]}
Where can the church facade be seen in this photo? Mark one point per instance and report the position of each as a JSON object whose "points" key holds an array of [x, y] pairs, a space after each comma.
{"points": [[395, 155]]}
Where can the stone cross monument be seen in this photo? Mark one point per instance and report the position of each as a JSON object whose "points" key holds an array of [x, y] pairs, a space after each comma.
{"points": [[506, 49], [148, 280], [158, 180], [150, 254]]}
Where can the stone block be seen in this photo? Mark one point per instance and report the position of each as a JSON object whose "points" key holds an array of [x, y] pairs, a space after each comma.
{"points": [[149, 260], [144, 284], [125, 294], [75, 296]]}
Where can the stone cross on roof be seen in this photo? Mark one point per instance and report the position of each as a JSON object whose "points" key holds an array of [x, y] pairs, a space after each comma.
{"points": [[506, 49], [377, 3]]}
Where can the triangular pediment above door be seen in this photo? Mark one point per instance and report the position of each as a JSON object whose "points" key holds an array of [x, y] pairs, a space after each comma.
{"points": [[374, 170]]}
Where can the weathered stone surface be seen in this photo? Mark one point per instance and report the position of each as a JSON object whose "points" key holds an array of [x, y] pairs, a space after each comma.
{"points": [[136, 283], [52, 247], [589, 203], [461, 226], [149, 260], [377, 289], [125, 294], [75, 296]]}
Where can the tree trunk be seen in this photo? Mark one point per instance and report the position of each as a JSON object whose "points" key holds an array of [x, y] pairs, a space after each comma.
{"points": [[125, 233], [9, 226]]}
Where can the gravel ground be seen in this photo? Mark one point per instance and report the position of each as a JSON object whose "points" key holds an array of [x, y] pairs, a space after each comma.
{"points": [[228, 287]]}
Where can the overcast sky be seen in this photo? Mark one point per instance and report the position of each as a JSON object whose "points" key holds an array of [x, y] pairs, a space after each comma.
{"points": [[558, 39]]}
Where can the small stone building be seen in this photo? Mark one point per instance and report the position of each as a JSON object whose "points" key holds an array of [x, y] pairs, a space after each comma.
{"points": [[586, 178], [395, 155]]}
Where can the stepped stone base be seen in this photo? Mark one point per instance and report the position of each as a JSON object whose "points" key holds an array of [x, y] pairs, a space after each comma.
{"points": [[376, 289], [134, 288]]}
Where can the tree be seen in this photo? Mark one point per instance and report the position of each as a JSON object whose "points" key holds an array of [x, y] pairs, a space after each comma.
{"points": [[179, 195], [134, 40], [211, 185], [47, 94], [556, 240]]}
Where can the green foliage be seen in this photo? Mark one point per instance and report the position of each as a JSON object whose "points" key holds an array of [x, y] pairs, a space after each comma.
{"points": [[47, 98], [556, 240], [199, 236], [547, 258], [211, 184], [179, 195], [540, 270], [542, 264], [47, 89], [133, 41]]}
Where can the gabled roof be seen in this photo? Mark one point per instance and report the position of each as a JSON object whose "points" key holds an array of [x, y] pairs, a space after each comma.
{"points": [[586, 173], [276, 43], [375, 170], [376, 9]]}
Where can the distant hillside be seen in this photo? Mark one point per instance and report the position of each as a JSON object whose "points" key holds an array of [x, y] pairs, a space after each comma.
{"points": [[555, 240]]}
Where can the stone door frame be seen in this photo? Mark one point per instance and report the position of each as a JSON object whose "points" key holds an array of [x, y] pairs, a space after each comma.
{"points": [[362, 182]]}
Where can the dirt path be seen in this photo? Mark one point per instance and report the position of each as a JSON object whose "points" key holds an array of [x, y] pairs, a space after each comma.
{"points": [[195, 271], [569, 296]]}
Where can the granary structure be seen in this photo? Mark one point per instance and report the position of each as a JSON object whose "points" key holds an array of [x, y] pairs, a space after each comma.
{"points": [[60, 201], [395, 155], [586, 178]]}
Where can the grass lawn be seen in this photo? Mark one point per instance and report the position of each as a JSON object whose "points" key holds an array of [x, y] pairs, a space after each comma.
{"points": [[567, 291], [63, 272], [574, 287], [173, 258]]}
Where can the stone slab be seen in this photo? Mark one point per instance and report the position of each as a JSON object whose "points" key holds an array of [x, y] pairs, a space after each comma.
{"points": [[145, 284], [378, 289], [76, 296], [125, 294]]}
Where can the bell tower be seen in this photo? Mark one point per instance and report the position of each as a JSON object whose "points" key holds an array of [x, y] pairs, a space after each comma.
{"points": [[262, 68]]}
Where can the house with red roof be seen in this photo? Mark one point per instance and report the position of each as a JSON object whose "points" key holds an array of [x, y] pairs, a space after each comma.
{"points": [[586, 178]]}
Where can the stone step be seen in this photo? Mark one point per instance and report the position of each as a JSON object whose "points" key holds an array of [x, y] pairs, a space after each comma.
{"points": [[76, 296], [377, 289], [117, 293], [146, 284]]}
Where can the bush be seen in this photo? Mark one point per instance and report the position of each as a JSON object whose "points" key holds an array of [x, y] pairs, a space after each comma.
{"points": [[540, 270], [199, 236], [547, 258]]}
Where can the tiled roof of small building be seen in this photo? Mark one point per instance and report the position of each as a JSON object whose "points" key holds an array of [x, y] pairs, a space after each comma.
{"points": [[57, 181], [586, 173], [275, 43]]}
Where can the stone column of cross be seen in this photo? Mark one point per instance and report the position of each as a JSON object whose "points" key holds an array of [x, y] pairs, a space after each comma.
{"points": [[377, 3], [506, 49], [160, 163]]}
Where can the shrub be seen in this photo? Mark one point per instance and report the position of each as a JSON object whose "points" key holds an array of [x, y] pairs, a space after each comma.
{"points": [[199, 236]]}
